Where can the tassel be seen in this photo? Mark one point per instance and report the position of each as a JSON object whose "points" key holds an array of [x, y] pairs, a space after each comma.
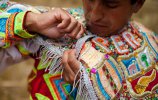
{"points": [[85, 88], [50, 55]]}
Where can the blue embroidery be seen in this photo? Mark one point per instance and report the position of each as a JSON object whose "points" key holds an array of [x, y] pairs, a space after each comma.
{"points": [[59, 84], [131, 66], [107, 97], [14, 10], [118, 74], [3, 24], [68, 88], [144, 34]]}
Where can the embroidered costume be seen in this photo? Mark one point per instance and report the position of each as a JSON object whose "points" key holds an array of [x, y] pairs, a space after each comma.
{"points": [[123, 66]]}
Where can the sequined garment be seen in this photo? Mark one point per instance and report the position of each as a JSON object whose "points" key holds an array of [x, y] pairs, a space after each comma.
{"points": [[123, 66]]}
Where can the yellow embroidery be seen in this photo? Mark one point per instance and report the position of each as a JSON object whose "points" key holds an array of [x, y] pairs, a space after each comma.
{"points": [[144, 82], [41, 97]]}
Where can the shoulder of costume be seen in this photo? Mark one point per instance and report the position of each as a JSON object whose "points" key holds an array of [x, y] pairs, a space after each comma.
{"points": [[150, 36], [143, 28]]}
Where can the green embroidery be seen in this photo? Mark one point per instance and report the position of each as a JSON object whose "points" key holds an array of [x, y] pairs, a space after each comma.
{"points": [[18, 27], [2, 34], [5, 15], [46, 78], [41, 65], [3, 5], [144, 59], [41, 97], [31, 98], [1, 11], [7, 44], [23, 50]]}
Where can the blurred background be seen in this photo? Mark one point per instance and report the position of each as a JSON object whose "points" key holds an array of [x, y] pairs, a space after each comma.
{"points": [[13, 81]]}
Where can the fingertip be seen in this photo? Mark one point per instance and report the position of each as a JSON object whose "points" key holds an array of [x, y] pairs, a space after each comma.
{"points": [[60, 26], [78, 36], [65, 56]]}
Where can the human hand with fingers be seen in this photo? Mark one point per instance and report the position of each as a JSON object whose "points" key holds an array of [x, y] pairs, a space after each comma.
{"points": [[54, 24], [71, 66]]}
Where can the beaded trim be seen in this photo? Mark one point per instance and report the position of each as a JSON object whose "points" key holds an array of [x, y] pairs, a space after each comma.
{"points": [[10, 26], [10, 30]]}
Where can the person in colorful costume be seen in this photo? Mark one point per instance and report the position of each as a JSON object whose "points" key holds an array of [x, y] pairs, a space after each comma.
{"points": [[119, 62]]}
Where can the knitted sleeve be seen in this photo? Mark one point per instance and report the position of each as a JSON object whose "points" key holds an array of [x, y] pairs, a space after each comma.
{"points": [[11, 22], [15, 41]]}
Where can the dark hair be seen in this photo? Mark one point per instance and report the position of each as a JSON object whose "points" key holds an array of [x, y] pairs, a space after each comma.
{"points": [[133, 1]]}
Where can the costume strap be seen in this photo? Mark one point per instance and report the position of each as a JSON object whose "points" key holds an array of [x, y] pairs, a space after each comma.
{"points": [[81, 42]]}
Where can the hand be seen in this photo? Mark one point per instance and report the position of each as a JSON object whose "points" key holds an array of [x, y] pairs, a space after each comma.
{"points": [[71, 66], [54, 24]]}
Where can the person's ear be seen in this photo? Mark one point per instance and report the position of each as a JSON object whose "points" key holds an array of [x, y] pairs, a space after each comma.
{"points": [[137, 6]]}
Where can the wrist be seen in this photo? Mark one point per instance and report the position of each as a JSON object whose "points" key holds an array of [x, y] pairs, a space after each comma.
{"points": [[30, 22]]}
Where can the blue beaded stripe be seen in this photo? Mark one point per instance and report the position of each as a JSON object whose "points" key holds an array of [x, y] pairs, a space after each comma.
{"points": [[3, 24], [60, 91], [144, 34], [117, 72], [14, 10], [107, 97]]}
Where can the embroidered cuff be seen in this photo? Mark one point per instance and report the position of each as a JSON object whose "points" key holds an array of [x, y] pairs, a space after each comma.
{"points": [[18, 26], [23, 50], [9, 37]]}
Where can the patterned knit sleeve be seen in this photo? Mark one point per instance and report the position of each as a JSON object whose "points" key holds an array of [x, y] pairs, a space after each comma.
{"points": [[15, 41], [12, 17]]}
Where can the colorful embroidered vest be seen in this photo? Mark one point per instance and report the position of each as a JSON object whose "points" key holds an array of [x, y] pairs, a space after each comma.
{"points": [[123, 66]]}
